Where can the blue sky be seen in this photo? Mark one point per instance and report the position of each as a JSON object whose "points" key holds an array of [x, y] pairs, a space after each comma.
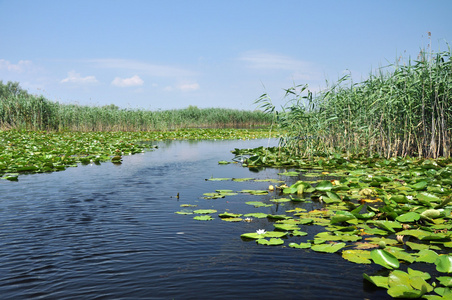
{"points": [[171, 54]]}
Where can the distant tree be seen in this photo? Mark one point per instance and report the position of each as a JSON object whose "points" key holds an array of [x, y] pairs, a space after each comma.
{"points": [[11, 89]]}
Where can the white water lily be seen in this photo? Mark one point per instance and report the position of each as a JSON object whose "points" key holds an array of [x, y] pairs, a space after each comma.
{"points": [[261, 231], [409, 197], [248, 220]]}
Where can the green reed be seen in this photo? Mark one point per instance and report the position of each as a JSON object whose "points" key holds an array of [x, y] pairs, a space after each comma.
{"points": [[404, 109], [19, 110]]}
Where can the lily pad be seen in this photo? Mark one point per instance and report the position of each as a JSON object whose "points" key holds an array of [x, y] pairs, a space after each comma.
{"points": [[203, 218], [300, 245], [324, 185], [357, 256], [444, 264], [270, 242], [384, 258], [256, 215], [329, 248], [268, 234], [205, 211], [258, 204]]}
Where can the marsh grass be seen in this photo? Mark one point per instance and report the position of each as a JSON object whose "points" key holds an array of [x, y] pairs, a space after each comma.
{"points": [[404, 109], [20, 110]]}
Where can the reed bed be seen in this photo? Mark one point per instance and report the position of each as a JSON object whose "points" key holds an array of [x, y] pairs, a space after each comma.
{"points": [[404, 109], [19, 110]]}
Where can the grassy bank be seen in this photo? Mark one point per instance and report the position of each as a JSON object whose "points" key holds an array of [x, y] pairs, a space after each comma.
{"points": [[404, 109], [20, 110]]}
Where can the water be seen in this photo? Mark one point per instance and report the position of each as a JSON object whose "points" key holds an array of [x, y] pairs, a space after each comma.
{"points": [[110, 232]]}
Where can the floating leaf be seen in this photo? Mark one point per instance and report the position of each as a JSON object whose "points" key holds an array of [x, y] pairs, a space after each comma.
{"points": [[300, 246], [286, 227], [232, 219], [256, 215], [444, 280], [229, 215], [329, 248], [219, 179], [427, 256], [268, 234], [255, 192], [380, 281], [271, 242], [444, 264], [384, 258], [408, 217], [298, 233], [242, 179], [324, 185], [281, 200], [258, 204], [421, 185], [357, 256], [289, 174], [205, 211], [203, 218]]}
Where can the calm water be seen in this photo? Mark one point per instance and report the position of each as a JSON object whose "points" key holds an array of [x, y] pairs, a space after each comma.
{"points": [[110, 232]]}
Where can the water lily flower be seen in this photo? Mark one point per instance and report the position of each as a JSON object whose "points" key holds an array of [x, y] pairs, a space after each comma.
{"points": [[247, 219], [409, 197], [261, 231]]}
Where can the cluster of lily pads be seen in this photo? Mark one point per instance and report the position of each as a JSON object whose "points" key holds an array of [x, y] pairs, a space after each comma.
{"points": [[391, 212], [43, 151]]}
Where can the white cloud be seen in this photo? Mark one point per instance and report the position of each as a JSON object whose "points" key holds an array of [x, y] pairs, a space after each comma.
{"points": [[127, 82], [188, 87], [299, 69], [74, 77], [19, 67], [142, 67]]}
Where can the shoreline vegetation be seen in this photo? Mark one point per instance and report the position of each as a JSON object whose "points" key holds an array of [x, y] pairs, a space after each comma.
{"points": [[21, 111], [403, 109]]}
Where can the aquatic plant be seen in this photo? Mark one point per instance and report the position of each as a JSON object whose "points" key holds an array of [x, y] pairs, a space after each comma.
{"points": [[404, 109]]}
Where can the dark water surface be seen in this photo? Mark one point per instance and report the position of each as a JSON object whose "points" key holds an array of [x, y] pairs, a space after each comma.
{"points": [[110, 232]]}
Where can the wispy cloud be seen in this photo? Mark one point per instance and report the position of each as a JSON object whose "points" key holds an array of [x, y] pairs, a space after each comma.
{"points": [[143, 67], [299, 69], [19, 67], [188, 87], [74, 77], [127, 82], [262, 60]]}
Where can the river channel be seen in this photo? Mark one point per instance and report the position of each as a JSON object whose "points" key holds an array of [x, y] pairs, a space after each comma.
{"points": [[111, 232]]}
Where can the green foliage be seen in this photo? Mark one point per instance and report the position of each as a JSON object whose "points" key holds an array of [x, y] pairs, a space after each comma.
{"points": [[19, 110], [400, 110]]}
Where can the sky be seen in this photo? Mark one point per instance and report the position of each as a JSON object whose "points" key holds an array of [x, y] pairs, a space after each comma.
{"points": [[171, 54]]}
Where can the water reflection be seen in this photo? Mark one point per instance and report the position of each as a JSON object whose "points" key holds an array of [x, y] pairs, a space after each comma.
{"points": [[110, 231]]}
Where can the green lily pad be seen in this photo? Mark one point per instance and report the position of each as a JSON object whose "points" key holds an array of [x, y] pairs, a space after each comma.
{"points": [[258, 204], [427, 256], [384, 258], [280, 200], [300, 246], [268, 234], [205, 211], [242, 179], [255, 192], [329, 248], [408, 217], [184, 212], [219, 179], [232, 219], [256, 215], [203, 218], [298, 233], [444, 264], [324, 185], [357, 256], [286, 227], [444, 280], [229, 215], [271, 242], [379, 281]]}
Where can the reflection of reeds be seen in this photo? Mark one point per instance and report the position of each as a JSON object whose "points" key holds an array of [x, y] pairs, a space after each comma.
{"points": [[406, 111], [20, 110]]}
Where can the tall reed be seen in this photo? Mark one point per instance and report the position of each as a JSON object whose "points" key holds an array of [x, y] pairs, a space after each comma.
{"points": [[400, 110], [19, 110]]}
